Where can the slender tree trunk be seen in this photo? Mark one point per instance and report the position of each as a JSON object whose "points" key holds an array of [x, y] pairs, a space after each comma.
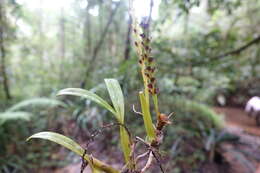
{"points": [[62, 43], [87, 35], [3, 54], [128, 39], [98, 46]]}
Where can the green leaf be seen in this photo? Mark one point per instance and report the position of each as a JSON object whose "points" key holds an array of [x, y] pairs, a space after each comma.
{"points": [[60, 139], [36, 102], [125, 143], [150, 131], [7, 116], [88, 95], [68, 143], [117, 98]]}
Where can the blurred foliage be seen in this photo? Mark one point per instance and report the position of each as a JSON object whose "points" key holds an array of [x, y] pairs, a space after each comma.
{"points": [[49, 49], [14, 130]]}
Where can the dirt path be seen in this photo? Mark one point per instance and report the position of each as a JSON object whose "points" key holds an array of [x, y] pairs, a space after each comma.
{"points": [[238, 118], [238, 123]]}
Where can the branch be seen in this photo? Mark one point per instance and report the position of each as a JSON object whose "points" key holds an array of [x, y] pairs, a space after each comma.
{"points": [[240, 49]]}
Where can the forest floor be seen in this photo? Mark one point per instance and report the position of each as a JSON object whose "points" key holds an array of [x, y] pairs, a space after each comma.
{"points": [[240, 124], [237, 123]]}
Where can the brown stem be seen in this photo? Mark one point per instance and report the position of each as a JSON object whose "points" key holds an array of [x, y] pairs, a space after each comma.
{"points": [[240, 49]]}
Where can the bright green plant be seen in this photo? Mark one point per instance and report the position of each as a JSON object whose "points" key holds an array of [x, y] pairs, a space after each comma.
{"points": [[154, 133]]}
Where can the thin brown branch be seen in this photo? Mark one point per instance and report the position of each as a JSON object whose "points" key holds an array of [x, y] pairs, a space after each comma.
{"points": [[240, 49]]}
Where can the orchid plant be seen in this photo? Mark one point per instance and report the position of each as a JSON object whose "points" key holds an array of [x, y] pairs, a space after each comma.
{"points": [[154, 132]]}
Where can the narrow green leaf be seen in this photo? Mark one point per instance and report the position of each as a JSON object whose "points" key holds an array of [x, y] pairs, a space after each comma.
{"points": [[117, 98], [43, 102], [60, 139], [88, 95], [150, 131], [68, 143], [7, 116], [125, 143]]}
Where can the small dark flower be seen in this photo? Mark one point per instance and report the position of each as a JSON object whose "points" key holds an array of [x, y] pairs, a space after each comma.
{"points": [[152, 79], [147, 75], [136, 44], [150, 85], [149, 68], [150, 59], [142, 35]]}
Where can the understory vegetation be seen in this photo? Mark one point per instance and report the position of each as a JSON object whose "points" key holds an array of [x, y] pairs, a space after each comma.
{"points": [[171, 66]]}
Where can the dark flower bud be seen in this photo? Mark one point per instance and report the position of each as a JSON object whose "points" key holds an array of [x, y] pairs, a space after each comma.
{"points": [[150, 59], [153, 69], [136, 44], [149, 68], [135, 31], [150, 85], [152, 79], [147, 75], [140, 61]]}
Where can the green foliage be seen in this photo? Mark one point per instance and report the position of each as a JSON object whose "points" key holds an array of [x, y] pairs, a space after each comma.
{"points": [[62, 140], [117, 110], [9, 116], [196, 134], [39, 102], [150, 131], [40, 60], [201, 111], [116, 97], [88, 95]]}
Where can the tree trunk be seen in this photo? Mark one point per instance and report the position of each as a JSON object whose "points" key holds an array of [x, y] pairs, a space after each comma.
{"points": [[62, 43], [128, 39], [3, 55], [87, 34], [98, 46]]}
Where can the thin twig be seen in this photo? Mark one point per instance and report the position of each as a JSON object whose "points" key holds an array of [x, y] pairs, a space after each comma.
{"points": [[139, 113], [158, 161], [141, 156], [148, 163], [240, 49], [84, 162]]}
